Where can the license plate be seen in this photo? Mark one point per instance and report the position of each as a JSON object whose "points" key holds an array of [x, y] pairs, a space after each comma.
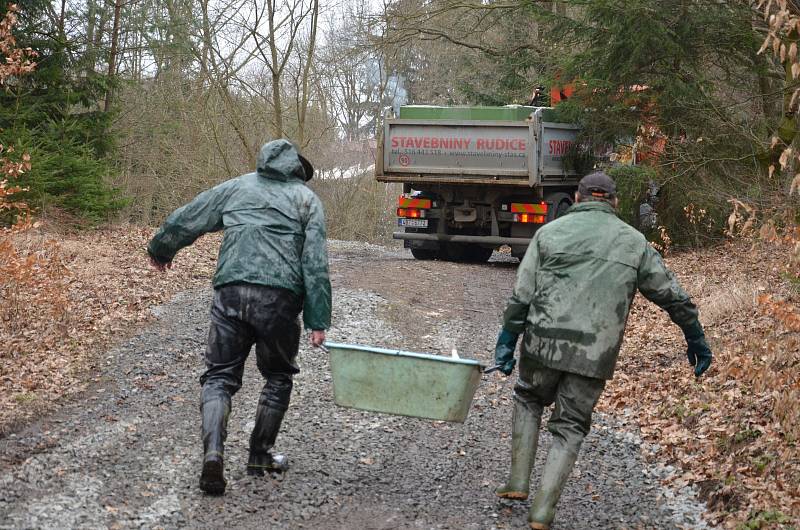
{"points": [[413, 223]]}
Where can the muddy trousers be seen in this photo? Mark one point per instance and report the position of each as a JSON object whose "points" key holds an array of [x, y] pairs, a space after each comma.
{"points": [[575, 397], [243, 315]]}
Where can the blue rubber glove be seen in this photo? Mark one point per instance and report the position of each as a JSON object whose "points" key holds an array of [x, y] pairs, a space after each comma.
{"points": [[504, 351], [697, 350]]}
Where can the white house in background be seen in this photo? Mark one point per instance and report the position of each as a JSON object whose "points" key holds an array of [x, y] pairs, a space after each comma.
{"points": [[344, 173]]}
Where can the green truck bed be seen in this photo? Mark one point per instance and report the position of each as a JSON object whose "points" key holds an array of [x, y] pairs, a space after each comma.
{"points": [[431, 112]]}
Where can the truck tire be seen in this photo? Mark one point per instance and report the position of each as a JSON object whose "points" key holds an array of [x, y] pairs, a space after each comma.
{"points": [[560, 204], [424, 253], [478, 254], [452, 252], [465, 253], [562, 208]]}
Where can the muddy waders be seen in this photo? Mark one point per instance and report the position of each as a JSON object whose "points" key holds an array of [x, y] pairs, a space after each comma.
{"points": [[271, 407], [524, 439], [215, 411], [243, 315], [574, 397]]}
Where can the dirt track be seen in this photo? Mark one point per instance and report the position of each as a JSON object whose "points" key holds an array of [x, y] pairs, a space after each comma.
{"points": [[127, 454]]}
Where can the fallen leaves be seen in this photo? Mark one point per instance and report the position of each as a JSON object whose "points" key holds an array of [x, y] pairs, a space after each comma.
{"points": [[735, 431], [66, 298]]}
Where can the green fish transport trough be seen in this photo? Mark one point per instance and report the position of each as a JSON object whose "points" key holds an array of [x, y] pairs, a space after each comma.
{"points": [[404, 383]]}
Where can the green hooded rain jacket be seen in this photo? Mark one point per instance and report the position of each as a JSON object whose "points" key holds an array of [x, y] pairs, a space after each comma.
{"points": [[274, 231], [575, 286]]}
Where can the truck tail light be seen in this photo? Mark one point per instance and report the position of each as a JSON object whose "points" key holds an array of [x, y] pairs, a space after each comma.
{"points": [[530, 208], [411, 213], [529, 218], [413, 202]]}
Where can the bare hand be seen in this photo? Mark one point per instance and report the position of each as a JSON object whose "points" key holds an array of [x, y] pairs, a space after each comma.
{"points": [[157, 265], [317, 337]]}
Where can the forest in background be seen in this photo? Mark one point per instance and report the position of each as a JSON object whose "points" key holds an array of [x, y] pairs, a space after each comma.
{"points": [[134, 107]]}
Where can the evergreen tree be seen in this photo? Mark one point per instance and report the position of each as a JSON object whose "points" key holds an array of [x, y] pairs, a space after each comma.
{"points": [[55, 115], [675, 61], [682, 79]]}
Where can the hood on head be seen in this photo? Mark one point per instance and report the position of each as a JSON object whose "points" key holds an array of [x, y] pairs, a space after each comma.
{"points": [[280, 160]]}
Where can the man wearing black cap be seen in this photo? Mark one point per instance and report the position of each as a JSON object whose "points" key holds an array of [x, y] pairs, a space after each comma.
{"points": [[574, 289], [273, 263]]}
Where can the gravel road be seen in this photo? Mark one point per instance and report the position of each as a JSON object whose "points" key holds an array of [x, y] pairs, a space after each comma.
{"points": [[127, 453]]}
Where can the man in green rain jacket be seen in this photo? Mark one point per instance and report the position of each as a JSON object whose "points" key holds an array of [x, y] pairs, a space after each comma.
{"points": [[273, 263], [574, 289]]}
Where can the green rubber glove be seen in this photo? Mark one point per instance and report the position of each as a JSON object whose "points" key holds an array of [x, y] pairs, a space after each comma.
{"points": [[504, 351], [697, 350]]}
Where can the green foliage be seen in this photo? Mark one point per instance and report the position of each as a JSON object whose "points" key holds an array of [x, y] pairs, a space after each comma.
{"points": [[638, 60], [69, 169], [694, 210], [766, 519], [579, 158], [54, 115], [684, 69], [66, 172], [502, 80], [632, 183]]}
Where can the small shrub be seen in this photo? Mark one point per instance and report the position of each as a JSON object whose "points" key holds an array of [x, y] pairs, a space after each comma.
{"points": [[764, 519], [358, 209], [632, 190]]}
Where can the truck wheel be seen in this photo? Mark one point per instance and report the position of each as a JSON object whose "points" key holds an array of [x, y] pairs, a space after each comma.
{"points": [[560, 204], [562, 208], [453, 252], [477, 254], [465, 253], [424, 253]]}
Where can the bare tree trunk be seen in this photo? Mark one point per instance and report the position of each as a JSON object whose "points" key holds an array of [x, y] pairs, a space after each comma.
{"points": [[277, 123], [207, 43], [112, 56], [61, 16], [304, 93]]}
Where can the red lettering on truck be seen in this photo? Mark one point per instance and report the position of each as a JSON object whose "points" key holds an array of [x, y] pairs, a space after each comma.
{"points": [[431, 142], [559, 147], [501, 144]]}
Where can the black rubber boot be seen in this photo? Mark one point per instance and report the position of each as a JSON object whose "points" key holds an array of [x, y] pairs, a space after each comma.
{"points": [[268, 423], [215, 419]]}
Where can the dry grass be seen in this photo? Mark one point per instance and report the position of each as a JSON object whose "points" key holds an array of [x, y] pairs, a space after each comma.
{"points": [[721, 302], [359, 209]]}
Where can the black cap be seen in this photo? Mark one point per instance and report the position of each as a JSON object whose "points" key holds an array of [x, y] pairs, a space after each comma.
{"points": [[307, 167], [597, 184]]}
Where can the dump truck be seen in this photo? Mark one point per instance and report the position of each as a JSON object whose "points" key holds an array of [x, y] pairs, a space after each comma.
{"points": [[476, 178]]}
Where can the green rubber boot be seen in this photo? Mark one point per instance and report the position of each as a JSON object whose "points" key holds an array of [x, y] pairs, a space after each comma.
{"points": [[560, 461], [524, 439]]}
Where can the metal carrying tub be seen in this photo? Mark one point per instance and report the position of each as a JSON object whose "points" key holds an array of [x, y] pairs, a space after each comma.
{"points": [[404, 383]]}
